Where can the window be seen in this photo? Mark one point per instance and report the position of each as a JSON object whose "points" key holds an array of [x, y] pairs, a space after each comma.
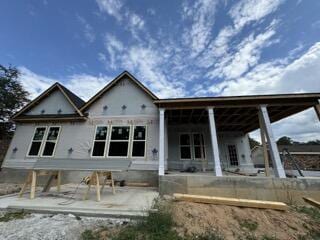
{"points": [[198, 146], [119, 141], [233, 155], [99, 142], [139, 141], [51, 142], [37, 141], [185, 146]]}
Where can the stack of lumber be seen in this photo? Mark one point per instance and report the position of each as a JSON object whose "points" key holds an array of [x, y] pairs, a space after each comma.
{"points": [[231, 201]]}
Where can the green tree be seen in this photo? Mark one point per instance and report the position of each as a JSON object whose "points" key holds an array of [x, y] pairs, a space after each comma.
{"points": [[253, 143], [12, 97], [285, 141]]}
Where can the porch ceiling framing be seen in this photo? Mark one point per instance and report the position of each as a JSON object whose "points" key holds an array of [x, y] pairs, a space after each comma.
{"points": [[238, 113]]}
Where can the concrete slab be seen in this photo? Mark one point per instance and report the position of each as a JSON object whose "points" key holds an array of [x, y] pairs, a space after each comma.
{"points": [[127, 202]]}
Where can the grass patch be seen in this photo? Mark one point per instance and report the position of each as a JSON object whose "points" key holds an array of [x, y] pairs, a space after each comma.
{"points": [[89, 235], [248, 224], [313, 212], [9, 216], [157, 225]]}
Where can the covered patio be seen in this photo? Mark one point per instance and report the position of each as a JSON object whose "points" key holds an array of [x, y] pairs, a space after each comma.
{"points": [[241, 115]]}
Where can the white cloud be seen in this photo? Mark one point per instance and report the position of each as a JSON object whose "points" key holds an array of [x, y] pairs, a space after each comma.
{"points": [[115, 48], [246, 56], [87, 29], [112, 7], [83, 85], [246, 11], [201, 13]]}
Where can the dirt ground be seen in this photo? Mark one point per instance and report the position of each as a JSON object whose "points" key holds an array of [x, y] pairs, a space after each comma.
{"points": [[238, 223], [8, 188]]}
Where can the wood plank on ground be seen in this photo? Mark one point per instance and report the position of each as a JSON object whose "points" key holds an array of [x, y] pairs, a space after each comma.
{"points": [[312, 202], [231, 201]]}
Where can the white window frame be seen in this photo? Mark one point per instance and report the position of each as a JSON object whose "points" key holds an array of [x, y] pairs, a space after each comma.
{"points": [[31, 141], [55, 141], [189, 134], [129, 140], [94, 140], [203, 146], [145, 141]]}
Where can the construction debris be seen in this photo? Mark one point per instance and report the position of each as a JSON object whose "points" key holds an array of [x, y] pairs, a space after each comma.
{"points": [[231, 201]]}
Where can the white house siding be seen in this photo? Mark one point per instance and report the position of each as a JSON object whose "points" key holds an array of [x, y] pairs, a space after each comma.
{"points": [[240, 140], [51, 104], [79, 135]]}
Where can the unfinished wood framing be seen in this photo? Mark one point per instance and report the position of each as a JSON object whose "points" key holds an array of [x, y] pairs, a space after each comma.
{"points": [[95, 180], [231, 201], [32, 181]]}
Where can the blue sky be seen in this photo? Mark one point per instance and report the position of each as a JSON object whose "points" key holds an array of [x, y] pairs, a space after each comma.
{"points": [[177, 48]]}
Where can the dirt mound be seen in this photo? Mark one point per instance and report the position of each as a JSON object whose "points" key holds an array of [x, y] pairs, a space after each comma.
{"points": [[236, 223]]}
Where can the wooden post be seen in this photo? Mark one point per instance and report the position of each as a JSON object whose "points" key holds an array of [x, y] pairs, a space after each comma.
{"points": [[161, 142], [59, 181], [274, 153], [112, 184], [26, 183], [264, 145], [33, 184], [214, 143], [317, 109], [97, 186]]}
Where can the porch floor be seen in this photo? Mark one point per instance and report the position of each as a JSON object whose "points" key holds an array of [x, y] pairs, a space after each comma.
{"points": [[127, 202]]}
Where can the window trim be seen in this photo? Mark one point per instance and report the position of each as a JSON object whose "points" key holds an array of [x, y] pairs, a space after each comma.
{"points": [[129, 141], [145, 141], [93, 141], [190, 146], [45, 140], [31, 141]]}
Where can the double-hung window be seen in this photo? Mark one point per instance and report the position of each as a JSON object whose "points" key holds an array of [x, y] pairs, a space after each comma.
{"points": [[119, 141], [139, 141], [185, 146], [36, 141], [100, 141], [50, 141]]}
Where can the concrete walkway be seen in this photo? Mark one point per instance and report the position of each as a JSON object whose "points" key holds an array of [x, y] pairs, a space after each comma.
{"points": [[127, 202]]}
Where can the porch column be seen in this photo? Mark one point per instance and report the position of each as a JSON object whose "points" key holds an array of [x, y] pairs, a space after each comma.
{"points": [[214, 143], [161, 141], [317, 109], [274, 153], [264, 145]]}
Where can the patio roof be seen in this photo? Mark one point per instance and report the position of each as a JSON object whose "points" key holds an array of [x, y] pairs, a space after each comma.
{"points": [[239, 113]]}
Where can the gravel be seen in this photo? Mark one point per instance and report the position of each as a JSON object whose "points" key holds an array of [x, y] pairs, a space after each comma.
{"points": [[52, 227]]}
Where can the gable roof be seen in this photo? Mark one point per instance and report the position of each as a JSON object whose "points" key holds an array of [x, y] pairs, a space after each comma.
{"points": [[113, 83], [73, 99]]}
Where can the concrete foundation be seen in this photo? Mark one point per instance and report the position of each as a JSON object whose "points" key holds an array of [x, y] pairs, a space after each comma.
{"points": [[19, 176], [286, 190]]}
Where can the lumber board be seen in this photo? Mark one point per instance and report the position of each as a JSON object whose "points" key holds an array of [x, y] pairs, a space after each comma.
{"points": [[231, 201], [137, 184], [312, 202]]}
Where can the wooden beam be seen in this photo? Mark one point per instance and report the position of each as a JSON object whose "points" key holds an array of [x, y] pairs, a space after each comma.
{"points": [[317, 109], [98, 186], [59, 181], [312, 202], [231, 201], [33, 184]]}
